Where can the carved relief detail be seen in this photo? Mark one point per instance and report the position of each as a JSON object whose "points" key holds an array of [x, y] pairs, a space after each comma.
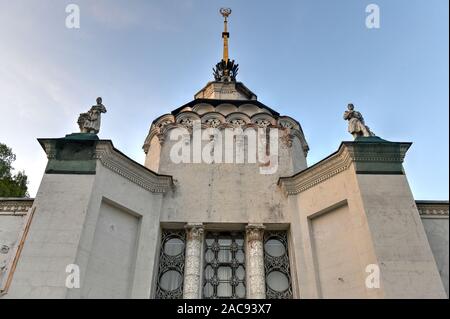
{"points": [[130, 170], [213, 122], [255, 232], [263, 123], [237, 122], [216, 119]]}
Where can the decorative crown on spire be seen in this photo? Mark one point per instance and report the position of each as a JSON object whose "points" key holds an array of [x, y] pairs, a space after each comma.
{"points": [[226, 70]]}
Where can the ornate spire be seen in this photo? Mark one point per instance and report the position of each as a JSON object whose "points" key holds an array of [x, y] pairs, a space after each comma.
{"points": [[225, 12], [226, 70]]}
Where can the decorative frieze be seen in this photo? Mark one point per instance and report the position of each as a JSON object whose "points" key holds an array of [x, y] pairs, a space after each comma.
{"points": [[233, 117], [77, 156], [131, 170], [316, 174], [439, 209], [15, 206], [371, 157]]}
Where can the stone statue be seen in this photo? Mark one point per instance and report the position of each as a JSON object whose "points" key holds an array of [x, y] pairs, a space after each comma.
{"points": [[356, 125], [89, 122]]}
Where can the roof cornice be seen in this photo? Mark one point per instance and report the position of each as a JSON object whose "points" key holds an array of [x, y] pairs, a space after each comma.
{"points": [[363, 154], [433, 208], [116, 161]]}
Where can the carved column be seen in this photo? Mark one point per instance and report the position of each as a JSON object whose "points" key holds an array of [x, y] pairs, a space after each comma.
{"points": [[256, 283], [192, 268]]}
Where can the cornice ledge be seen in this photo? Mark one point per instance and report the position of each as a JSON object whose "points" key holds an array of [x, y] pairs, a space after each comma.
{"points": [[49, 148], [134, 172], [433, 209], [15, 206], [165, 123], [348, 152], [377, 152], [314, 175], [433, 212]]}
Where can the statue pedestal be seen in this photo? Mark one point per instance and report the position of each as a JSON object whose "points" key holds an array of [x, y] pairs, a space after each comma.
{"points": [[81, 136], [73, 154], [373, 155]]}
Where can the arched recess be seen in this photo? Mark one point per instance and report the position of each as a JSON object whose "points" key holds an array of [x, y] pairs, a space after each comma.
{"points": [[203, 108], [226, 109]]}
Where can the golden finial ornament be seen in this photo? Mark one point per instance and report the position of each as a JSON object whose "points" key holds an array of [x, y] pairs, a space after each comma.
{"points": [[225, 12], [226, 70]]}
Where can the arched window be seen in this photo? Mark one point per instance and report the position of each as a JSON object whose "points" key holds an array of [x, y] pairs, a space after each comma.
{"points": [[276, 266], [171, 265]]}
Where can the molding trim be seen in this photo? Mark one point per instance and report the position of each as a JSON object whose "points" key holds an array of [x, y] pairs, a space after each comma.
{"points": [[161, 127], [134, 172], [359, 153], [49, 147], [374, 155], [15, 206], [337, 163], [433, 208]]}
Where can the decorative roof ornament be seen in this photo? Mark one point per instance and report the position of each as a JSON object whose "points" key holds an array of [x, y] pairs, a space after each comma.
{"points": [[356, 125], [226, 70], [90, 121]]}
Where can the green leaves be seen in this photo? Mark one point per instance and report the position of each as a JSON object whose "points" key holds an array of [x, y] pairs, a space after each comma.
{"points": [[11, 185]]}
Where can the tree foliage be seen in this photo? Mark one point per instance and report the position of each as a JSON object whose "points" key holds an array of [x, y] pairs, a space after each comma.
{"points": [[11, 185]]}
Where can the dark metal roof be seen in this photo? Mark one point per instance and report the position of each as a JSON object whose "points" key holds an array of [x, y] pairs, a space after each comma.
{"points": [[215, 103]]}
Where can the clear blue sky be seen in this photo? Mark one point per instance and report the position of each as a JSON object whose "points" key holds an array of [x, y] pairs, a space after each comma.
{"points": [[305, 58]]}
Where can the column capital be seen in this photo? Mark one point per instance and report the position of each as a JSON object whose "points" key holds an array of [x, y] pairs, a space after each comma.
{"points": [[255, 231], [194, 231]]}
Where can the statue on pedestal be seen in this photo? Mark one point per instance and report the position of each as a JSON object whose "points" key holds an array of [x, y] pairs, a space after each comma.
{"points": [[356, 124], [90, 121]]}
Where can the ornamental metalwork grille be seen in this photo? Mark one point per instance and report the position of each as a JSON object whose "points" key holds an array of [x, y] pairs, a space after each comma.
{"points": [[171, 265], [224, 266], [276, 266]]}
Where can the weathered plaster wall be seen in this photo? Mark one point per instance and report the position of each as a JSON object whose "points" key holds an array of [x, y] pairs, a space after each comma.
{"points": [[227, 193], [53, 238], [343, 221], [332, 244], [407, 265], [11, 226], [335, 248], [437, 231], [110, 269], [105, 223], [125, 197]]}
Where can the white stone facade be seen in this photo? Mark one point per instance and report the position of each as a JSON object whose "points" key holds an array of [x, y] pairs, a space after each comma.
{"points": [[351, 211]]}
